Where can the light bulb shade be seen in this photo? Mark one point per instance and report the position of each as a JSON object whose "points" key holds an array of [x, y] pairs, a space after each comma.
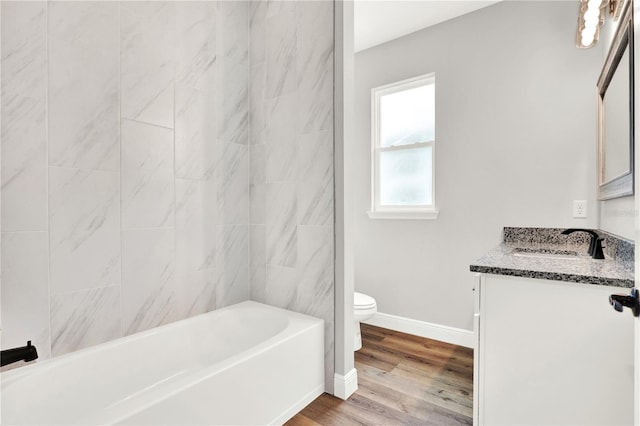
{"points": [[595, 4], [592, 14], [589, 22], [586, 41]]}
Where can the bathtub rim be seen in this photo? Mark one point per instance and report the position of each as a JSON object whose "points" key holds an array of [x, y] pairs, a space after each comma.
{"points": [[197, 376], [8, 377], [130, 404]]}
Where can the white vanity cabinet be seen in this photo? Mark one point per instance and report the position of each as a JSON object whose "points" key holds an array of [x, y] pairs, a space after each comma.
{"points": [[550, 352]]}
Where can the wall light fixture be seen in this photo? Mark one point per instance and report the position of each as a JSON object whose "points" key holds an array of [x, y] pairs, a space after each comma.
{"points": [[592, 13]]}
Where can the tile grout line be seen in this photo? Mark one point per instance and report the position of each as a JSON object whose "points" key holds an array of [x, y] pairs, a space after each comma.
{"points": [[174, 181], [138, 121], [48, 174], [119, 15], [84, 290], [0, 171], [249, 150]]}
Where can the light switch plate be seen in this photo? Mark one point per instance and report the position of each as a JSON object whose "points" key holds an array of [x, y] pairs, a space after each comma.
{"points": [[579, 208]]}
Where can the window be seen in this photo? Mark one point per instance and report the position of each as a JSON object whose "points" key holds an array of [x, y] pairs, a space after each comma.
{"points": [[403, 138]]}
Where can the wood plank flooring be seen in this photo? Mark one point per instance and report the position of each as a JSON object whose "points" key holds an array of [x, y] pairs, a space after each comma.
{"points": [[403, 380]]}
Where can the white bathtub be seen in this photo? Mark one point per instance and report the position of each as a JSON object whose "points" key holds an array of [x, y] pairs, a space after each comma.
{"points": [[244, 364]]}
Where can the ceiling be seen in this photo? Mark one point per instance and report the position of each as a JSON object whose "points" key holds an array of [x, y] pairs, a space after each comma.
{"points": [[378, 21]]}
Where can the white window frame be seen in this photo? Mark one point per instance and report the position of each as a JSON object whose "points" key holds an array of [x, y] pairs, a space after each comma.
{"points": [[379, 211]]}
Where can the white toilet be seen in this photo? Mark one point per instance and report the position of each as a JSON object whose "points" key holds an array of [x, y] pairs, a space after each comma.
{"points": [[364, 307]]}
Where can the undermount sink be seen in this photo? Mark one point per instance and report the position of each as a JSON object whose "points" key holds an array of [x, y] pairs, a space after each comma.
{"points": [[546, 254]]}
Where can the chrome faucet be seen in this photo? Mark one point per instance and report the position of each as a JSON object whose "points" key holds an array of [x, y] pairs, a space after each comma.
{"points": [[595, 247]]}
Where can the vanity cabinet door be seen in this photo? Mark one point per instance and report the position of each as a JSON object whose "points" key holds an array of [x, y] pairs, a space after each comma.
{"points": [[477, 285], [552, 353]]}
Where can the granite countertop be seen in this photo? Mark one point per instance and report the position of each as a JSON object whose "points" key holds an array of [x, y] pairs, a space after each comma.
{"points": [[582, 269]]}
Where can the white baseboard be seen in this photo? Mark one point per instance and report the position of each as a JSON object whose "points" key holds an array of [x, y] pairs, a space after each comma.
{"points": [[345, 386], [443, 333]]}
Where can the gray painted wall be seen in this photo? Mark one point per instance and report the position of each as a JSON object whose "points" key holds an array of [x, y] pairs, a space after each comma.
{"points": [[515, 145], [617, 216]]}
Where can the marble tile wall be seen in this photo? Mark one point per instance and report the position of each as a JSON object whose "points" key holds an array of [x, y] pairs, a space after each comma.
{"points": [[291, 160], [163, 159], [125, 167]]}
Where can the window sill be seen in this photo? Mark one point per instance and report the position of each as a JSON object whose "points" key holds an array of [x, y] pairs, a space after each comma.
{"points": [[404, 215]]}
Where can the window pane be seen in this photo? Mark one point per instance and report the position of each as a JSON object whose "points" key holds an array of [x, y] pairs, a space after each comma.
{"points": [[405, 177], [408, 117]]}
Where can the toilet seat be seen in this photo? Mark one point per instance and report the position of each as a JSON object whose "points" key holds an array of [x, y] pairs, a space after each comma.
{"points": [[363, 302]]}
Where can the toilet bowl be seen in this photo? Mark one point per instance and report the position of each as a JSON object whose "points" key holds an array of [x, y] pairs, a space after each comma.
{"points": [[364, 307]]}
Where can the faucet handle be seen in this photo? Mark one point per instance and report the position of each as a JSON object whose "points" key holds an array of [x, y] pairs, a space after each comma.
{"points": [[632, 301], [616, 303]]}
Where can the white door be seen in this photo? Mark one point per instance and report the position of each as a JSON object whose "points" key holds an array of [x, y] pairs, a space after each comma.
{"points": [[636, 77], [637, 366]]}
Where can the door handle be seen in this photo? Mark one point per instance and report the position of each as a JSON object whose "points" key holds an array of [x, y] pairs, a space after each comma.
{"points": [[632, 301]]}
